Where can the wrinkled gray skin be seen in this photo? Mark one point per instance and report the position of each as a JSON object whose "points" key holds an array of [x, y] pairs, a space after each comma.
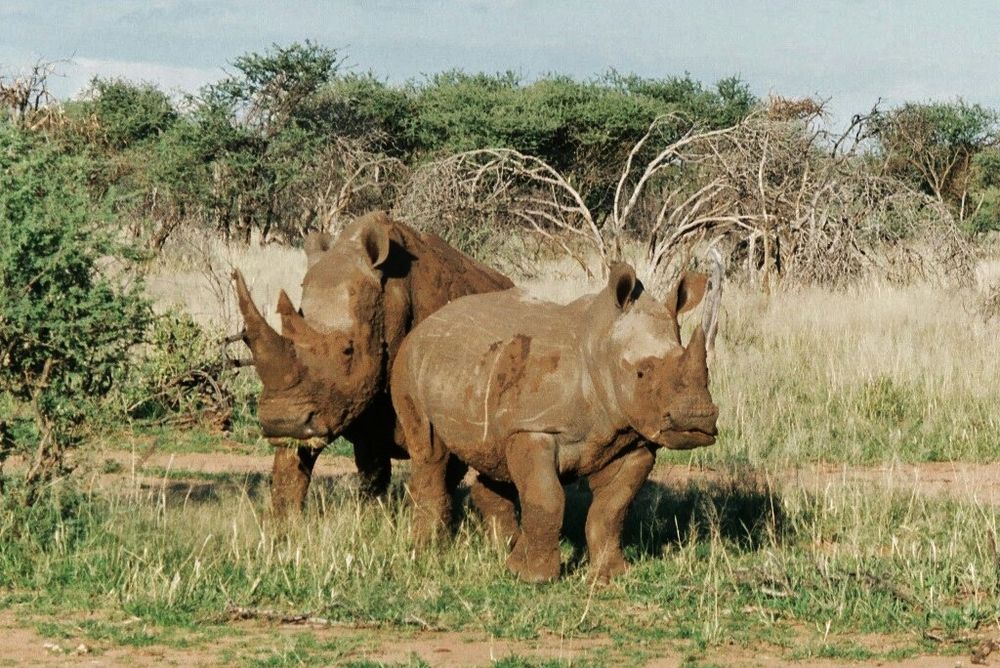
{"points": [[326, 375], [532, 394]]}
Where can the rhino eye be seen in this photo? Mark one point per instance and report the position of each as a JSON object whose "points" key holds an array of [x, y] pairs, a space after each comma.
{"points": [[640, 374], [349, 350]]}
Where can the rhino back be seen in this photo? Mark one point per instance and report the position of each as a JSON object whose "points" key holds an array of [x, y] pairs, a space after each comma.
{"points": [[487, 366], [441, 273]]}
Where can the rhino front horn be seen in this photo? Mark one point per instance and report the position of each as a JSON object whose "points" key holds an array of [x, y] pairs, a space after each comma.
{"points": [[696, 356], [273, 355]]}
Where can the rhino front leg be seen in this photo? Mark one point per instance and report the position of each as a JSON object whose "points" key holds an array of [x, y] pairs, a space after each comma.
{"points": [[374, 468], [431, 500], [290, 475], [531, 460], [613, 489], [428, 486], [495, 502], [373, 435]]}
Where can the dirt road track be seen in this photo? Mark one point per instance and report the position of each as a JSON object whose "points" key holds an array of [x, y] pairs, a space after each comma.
{"points": [[978, 482]]}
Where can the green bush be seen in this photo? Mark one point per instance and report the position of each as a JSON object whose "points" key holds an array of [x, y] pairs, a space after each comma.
{"points": [[67, 316], [130, 113], [986, 217], [178, 376]]}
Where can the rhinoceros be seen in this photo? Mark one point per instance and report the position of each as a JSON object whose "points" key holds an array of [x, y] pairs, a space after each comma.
{"points": [[326, 375], [532, 394]]}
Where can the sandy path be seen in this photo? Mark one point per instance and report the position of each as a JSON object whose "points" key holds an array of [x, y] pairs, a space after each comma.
{"points": [[22, 645], [978, 482]]}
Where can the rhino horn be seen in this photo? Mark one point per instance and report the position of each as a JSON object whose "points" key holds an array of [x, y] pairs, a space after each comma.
{"points": [[294, 326], [710, 318], [273, 355], [696, 357]]}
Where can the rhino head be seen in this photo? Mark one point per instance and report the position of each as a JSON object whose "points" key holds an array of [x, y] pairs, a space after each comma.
{"points": [[660, 385], [318, 376]]}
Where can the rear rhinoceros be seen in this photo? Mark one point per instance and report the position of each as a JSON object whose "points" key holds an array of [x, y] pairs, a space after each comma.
{"points": [[532, 394], [327, 374]]}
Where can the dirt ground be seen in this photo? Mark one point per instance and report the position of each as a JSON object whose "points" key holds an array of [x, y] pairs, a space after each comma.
{"points": [[21, 643], [977, 482]]}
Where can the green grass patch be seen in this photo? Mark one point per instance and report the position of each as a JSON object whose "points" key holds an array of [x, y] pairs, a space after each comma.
{"points": [[712, 564]]}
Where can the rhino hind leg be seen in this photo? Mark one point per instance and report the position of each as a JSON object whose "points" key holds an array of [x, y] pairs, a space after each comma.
{"points": [[531, 460], [613, 489], [290, 475], [495, 501]]}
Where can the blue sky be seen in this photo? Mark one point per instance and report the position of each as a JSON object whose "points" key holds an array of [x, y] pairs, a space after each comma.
{"points": [[851, 51]]}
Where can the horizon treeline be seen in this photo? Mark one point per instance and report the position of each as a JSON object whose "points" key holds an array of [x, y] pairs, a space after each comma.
{"points": [[264, 149]]}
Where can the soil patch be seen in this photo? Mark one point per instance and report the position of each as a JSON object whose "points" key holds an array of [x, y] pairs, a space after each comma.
{"points": [[964, 481]]}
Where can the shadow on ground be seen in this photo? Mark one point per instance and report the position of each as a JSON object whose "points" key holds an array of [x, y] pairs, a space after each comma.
{"points": [[742, 509]]}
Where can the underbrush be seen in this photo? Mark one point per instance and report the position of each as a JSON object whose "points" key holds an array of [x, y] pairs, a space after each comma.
{"points": [[724, 563]]}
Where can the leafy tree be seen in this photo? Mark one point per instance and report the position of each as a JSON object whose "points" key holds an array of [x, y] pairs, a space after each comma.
{"points": [[255, 128], [66, 321], [269, 90], [985, 215], [130, 113], [933, 145], [364, 108]]}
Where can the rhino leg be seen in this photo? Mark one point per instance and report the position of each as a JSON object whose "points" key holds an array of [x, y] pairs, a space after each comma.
{"points": [[373, 437], [428, 485], [531, 460], [431, 500], [495, 502], [374, 468], [290, 476], [613, 489]]}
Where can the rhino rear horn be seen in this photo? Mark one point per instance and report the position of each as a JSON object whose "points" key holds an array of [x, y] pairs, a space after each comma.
{"points": [[294, 326], [273, 355]]}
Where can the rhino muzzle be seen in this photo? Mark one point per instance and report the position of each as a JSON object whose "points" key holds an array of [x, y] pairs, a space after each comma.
{"points": [[691, 428]]}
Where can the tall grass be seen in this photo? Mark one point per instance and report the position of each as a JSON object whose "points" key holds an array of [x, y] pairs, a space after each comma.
{"points": [[873, 374], [733, 561]]}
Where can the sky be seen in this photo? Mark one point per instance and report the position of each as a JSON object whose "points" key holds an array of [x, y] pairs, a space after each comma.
{"points": [[850, 51]]}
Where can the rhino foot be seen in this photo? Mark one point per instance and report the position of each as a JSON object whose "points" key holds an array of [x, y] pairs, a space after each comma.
{"points": [[609, 567], [534, 567], [431, 519]]}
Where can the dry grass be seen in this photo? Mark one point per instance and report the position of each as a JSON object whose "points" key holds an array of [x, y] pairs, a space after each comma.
{"points": [[876, 372], [193, 273]]}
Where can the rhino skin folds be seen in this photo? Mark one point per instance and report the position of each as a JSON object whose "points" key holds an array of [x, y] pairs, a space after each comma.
{"points": [[531, 394], [326, 374]]}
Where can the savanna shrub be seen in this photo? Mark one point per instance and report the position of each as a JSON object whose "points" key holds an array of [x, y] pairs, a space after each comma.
{"points": [[68, 316], [179, 377]]}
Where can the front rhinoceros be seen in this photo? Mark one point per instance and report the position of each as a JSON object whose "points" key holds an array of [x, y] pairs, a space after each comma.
{"points": [[533, 394], [327, 374]]}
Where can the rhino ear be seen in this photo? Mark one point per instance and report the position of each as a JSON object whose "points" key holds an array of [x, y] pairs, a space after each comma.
{"points": [[622, 284], [375, 240], [689, 291], [316, 244]]}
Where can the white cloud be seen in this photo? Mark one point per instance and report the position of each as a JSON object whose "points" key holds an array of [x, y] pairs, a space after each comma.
{"points": [[174, 79]]}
